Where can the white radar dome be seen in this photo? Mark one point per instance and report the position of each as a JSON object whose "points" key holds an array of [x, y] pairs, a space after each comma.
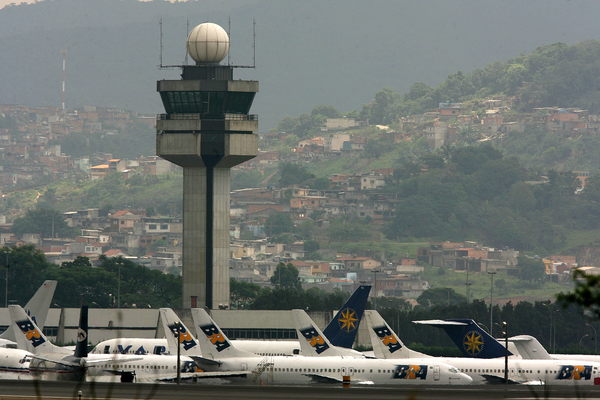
{"points": [[208, 43]]}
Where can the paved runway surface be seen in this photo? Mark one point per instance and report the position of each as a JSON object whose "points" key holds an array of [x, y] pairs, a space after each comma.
{"points": [[22, 390]]}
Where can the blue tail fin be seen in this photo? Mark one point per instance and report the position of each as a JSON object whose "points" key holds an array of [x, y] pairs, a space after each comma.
{"points": [[471, 340], [81, 349], [342, 329]]}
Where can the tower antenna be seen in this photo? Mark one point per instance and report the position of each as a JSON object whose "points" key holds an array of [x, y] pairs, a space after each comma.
{"points": [[229, 34], [63, 89], [160, 23], [187, 31], [253, 43]]}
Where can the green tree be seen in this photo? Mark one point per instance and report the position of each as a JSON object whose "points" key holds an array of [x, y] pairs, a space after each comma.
{"points": [[586, 293], [311, 245], [141, 286], [293, 174], [243, 293], [27, 268], [286, 276], [47, 200], [46, 222], [348, 229], [440, 296], [383, 109], [79, 261], [531, 269], [278, 223]]}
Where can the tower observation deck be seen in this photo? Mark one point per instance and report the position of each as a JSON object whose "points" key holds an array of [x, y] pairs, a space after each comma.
{"points": [[207, 129]]}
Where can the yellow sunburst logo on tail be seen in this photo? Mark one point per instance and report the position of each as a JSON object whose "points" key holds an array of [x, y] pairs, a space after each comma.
{"points": [[473, 343], [348, 320]]}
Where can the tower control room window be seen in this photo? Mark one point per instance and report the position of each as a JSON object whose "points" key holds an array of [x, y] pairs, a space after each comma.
{"points": [[207, 103]]}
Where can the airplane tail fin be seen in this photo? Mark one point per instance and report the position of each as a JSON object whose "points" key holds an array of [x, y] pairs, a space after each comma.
{"points": [[37, 307], [342, 329], [81, 349], [213, 342], [470, 339], [529, 348], [385, 342], [313, 343], [28, 335], [174, 328]]}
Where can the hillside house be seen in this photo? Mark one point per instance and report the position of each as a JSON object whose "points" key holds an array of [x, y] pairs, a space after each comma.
{"points": [[340, 124]]}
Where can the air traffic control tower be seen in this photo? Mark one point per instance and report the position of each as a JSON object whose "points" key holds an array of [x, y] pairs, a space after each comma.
{"points": [[206, 130]]}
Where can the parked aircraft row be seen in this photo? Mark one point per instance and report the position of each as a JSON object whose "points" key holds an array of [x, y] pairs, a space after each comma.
{"points": [[316, 357]]}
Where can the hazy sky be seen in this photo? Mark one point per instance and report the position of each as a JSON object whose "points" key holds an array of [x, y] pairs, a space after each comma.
{"points": [[4, 3], [309, 52]]}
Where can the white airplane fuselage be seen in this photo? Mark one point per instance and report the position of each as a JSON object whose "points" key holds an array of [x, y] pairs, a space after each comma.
{"points": [[149, 368], [550, 372], [14, 364], [580, 357], [309, 370], [141, 346]]}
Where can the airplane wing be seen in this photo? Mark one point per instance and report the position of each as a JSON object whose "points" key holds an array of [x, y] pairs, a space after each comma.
{"points": [[206, 375], [201, 361], [112, 360], [493, 379], [317, 378], [55, 361], [439, 322]]}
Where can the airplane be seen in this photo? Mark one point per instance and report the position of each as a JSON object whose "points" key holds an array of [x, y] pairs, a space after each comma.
{"points": [[51, 362], [215, 352], [530, 348], [341, 331], [387, 345], [305, 330], [37, 307], [521, 346], [15, 363]]}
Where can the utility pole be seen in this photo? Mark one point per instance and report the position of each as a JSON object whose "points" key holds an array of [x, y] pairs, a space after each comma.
{"points": [[467, 283], [178, 355], [374, 271], [505, 332], [595, 337], [492, 303], [6, 283], [119, 285]]}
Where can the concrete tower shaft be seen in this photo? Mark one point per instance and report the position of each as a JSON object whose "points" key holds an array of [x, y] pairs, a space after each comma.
{"points": [[206, 130]]}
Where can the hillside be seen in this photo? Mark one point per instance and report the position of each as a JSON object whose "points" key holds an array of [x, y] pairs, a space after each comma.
{"points": [[463, 191], [551, 75]]}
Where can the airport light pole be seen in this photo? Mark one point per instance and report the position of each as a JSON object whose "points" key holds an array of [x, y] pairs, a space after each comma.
{"points": [[119, 285], [595, 337], [492, 302], [6, 282], [467, 283], [581, 338], [374, 271], [505, 332], [178, 355]]}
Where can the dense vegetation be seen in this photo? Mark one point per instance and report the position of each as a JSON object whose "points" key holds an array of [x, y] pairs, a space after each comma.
{"points": [[541, 149], [136, 140], [477, 193], [552, 75], [80, 283]]}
